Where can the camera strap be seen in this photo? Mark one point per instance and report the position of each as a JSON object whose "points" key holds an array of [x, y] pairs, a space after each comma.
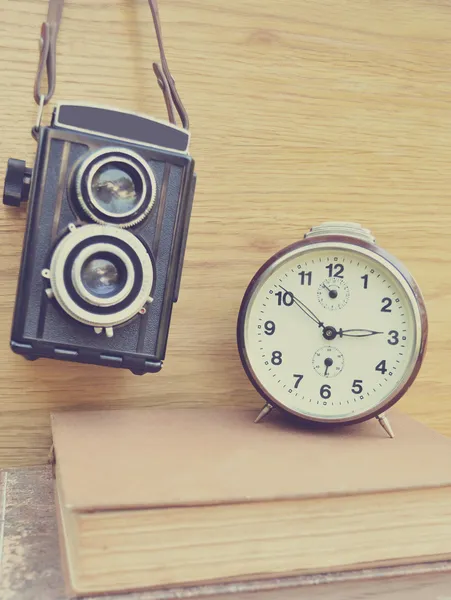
{"points": [[47, 65]]}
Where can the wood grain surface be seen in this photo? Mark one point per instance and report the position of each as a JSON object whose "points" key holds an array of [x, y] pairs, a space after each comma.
{"points": [[300, 111]]}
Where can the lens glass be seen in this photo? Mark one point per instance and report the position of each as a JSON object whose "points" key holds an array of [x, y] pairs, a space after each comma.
{"points": [[103, 276], [117, 188]]}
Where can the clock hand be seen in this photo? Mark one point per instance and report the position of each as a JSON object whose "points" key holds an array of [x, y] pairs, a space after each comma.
{"points": [[333, 331], [357, 332], [304, 308], [332, 293], [328, 362]]}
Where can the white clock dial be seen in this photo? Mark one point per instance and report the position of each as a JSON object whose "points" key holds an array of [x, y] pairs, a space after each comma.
{"points": [[331, 331]]}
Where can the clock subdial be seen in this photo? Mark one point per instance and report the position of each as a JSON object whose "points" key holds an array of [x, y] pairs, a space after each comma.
{"points": [[333, 293], [328, 361]]}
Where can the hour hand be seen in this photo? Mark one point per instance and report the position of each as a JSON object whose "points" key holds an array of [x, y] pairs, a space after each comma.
{"points": [[357, 332]]}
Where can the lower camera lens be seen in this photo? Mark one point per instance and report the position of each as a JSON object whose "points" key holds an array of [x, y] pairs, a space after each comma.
{"points": [[103, 277], [117, 188]]}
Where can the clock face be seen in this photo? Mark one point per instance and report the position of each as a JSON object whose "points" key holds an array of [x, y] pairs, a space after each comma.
{"points": [[331, 331]]}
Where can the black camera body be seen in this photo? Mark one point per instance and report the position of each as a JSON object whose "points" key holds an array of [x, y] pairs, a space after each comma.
{"points": [[110, 199]]}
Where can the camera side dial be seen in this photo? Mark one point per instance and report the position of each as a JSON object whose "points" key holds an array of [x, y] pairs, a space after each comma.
{"points": [[17, 183]]}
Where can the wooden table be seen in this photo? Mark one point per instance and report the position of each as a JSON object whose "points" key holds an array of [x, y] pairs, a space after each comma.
{"points": [[30, 567], [301, 111]]}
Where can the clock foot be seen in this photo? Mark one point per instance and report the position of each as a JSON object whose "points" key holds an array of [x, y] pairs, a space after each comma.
{"points": [[265, 411], [385, 424]]}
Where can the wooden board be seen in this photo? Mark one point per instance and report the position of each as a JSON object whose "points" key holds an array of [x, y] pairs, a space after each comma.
{"points": [[301, 111]]}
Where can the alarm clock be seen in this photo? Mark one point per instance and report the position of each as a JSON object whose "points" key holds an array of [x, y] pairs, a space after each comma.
{"points": [[332, 329]]}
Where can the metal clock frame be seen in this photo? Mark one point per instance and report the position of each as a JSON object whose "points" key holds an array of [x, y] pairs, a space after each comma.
{"points": [[383, 258]]}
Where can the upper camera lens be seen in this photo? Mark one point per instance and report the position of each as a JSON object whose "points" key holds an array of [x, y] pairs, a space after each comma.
{"points": [[117, 188], [103, 277]]}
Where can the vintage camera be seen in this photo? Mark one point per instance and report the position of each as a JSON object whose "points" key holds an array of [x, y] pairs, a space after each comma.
{"points": [[110, 198]]}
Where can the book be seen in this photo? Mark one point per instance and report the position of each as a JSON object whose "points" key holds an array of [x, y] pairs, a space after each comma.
{"points": [[154, 498]]}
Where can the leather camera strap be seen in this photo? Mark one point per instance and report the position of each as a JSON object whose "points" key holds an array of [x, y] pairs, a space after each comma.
{"points": [[47, 63]]}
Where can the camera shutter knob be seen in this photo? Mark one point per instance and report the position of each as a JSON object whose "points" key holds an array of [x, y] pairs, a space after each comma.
{"points": [[17, 182]]}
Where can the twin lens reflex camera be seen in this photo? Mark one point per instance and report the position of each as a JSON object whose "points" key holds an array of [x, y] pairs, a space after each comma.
{"points": [[109, 203]]}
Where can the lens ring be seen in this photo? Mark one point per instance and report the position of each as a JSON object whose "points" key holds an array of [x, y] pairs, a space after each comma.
{"points": [[96, 170], [137, 275], [80, 287], [129, 175], [101, 315]]}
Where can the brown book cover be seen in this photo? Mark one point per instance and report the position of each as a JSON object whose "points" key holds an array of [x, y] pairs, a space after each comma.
{"points": [[211, 496], [157, 457]]}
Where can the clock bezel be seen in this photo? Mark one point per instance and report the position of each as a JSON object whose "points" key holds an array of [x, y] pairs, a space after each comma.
{"points": [[400, 271]]}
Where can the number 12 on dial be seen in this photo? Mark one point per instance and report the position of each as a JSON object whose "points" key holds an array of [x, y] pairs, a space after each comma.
{"points": [[332, 329]]}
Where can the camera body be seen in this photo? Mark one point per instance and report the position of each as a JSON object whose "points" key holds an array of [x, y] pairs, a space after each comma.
{"points": [[110, 199]]}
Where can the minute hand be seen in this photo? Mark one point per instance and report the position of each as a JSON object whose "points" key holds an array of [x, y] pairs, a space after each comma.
{"points": [[304, 308], [357, 332]]}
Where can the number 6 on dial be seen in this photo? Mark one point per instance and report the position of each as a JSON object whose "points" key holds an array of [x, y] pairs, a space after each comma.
{"points": [[332, 329]]}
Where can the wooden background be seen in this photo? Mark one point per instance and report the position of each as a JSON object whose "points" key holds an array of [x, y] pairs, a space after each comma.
{"points": [[301, 111]]}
